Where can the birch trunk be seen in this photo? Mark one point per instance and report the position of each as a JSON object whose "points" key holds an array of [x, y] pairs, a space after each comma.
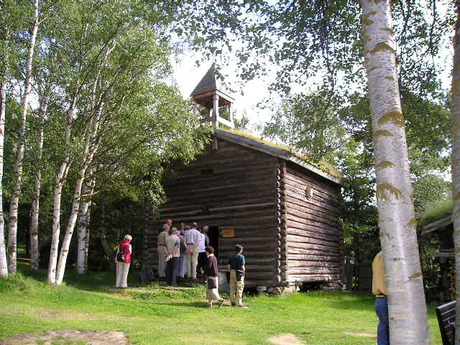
{"points": [[407, 309], [3, 83], [16, 192], [57, 196], [34, 248], [83, 227], [69, 229], [55, 275], [90, 149], [456, 163], [60, 180]]}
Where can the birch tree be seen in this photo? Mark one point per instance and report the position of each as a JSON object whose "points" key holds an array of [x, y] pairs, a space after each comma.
{"points": [[42, 114], [72, 54], [83, 225], [18, 167], [89, 151], [90, 147], [3, 83], [11, 21], [407, 309], [57, 193], [456, 162]]}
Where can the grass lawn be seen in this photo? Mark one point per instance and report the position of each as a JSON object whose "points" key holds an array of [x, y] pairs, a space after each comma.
{"points": [[156, 315]]}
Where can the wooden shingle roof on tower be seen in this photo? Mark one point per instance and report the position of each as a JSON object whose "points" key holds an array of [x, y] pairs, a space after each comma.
{"points": [[209, 85]]}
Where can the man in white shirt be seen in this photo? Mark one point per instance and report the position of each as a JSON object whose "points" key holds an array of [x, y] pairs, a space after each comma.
{"points": [[202, 258], [192, 238]]}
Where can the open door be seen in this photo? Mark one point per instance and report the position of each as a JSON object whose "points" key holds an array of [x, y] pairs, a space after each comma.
{"points": [[213, 235]]}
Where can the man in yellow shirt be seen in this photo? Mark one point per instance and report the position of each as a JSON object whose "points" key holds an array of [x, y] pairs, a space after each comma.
{"points": [[379, 289]]}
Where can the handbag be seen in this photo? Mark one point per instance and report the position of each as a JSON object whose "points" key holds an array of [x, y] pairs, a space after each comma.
{"points": [[211, 283], [120, 256]]}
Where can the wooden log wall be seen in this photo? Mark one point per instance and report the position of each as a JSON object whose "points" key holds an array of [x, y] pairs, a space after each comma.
{"points": [[234, 188], [314, 235], [281, 216]]}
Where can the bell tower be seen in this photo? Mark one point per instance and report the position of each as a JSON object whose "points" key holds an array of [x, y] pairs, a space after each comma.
{"points": [[208, 94]]}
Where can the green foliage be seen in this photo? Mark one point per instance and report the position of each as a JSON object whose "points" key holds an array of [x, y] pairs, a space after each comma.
{"points": [[311, 40], [430, 189], [242, 122], [306, 38], [309, 122], [435, 210], [422, 30]]}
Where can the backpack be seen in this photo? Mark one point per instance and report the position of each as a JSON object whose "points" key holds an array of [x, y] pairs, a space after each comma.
{"points": [[120, 256]]}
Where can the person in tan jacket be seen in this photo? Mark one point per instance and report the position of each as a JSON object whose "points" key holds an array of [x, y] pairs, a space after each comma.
{"points": [[379, 289]]}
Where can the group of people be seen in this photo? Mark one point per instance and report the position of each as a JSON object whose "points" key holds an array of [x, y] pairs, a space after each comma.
{"points": [[181, 252], [187, 253]]}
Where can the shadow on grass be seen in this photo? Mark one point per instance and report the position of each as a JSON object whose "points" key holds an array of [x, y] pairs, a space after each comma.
{"points": [[91, 281], [197, 304], [354, 301]]}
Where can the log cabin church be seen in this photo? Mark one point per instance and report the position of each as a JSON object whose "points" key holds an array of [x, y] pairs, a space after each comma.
{"points": [[281, 208]]}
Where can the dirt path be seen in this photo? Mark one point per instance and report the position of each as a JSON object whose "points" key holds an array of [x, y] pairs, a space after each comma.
{"points": [[366, 335], [285, 339], [72, 337], [69, 337], [291, 339]]}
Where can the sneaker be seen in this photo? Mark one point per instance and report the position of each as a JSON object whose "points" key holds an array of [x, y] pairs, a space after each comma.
{"points": [[221, 301], [241, 306]]}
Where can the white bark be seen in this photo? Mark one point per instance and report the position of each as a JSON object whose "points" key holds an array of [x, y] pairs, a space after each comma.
{"points": [[70, 227], [3, 83], [456, 163], [60, 180], [14, 204], [407, 309], [90, 147], [83, 228], [34, 247], [89, 151], [56, 272], [34, 252]]}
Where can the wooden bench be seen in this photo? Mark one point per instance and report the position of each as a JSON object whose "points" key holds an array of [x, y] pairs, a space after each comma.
{"points": [[446, 320]]}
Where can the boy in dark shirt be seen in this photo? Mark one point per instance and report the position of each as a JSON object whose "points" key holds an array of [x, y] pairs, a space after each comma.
{"points": [[237, 267]]}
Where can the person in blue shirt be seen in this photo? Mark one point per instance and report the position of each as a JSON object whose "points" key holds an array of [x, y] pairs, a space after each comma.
{"points": [[237, 268]]}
